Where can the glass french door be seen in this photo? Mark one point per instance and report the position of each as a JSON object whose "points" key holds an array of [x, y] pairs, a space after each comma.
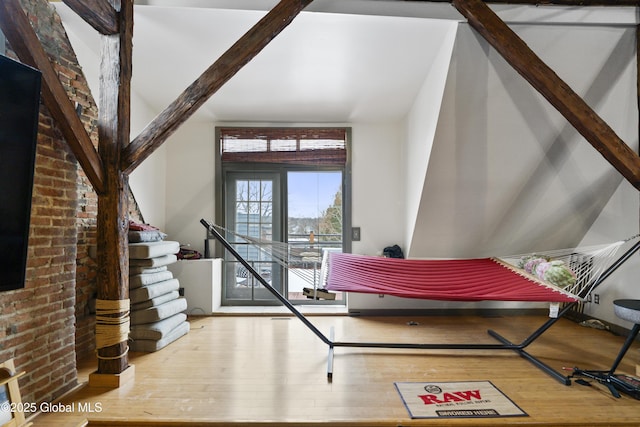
{"points": [[299, 215], [253, 201]]}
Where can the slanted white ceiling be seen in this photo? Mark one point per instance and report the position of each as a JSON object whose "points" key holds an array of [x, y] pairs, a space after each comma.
{"points": [[322, 68], [345, 61]]}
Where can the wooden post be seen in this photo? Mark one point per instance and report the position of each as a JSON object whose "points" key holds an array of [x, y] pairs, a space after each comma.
{"points": [[113, 221]]}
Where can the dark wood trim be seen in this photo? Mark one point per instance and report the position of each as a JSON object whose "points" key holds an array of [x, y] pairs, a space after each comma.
{"points": [[97, 13], [245, 49], [113, 220], [288, 132], [586, 121], [24, 42]]}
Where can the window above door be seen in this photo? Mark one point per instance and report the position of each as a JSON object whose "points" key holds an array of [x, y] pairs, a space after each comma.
{"points": [[301, 146]]}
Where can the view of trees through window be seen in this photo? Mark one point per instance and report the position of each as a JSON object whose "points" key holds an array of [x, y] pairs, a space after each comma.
{"points": [[314, 224], [315, 205]]}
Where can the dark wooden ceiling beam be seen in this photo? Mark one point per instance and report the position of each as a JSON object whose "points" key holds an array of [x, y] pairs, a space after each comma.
{"points": [[238, 55], [97, 13], [24, 42], [586, 121]]}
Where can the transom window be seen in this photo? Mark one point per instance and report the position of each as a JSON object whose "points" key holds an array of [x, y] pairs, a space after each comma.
{"points": [[301, 146]]}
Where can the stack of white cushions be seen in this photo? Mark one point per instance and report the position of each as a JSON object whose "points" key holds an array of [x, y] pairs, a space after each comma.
{"points": [[157, 310]]}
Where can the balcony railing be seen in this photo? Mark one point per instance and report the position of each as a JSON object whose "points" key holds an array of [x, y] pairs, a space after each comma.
{"points": [[305, 250]]}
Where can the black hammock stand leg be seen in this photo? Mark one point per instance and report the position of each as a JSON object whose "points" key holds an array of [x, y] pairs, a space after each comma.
{"points": [[263, 282], [505, 344], [275, 293], [538, 332], [544, 367], [609, 378]]}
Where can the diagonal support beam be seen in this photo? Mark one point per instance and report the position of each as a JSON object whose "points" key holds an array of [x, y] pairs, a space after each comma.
{"points": [[97, 13], [586, 121], [24, 42], [238, 55]]}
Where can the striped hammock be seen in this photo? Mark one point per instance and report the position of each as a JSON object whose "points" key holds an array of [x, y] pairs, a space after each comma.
{"points": [[480, 279], [493, 279], [452, 280]]}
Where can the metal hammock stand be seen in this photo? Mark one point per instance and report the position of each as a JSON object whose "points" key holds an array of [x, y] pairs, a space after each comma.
{"points": [[505, 344]]}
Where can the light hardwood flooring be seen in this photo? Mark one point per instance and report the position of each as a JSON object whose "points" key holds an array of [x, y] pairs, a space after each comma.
{"points": [[271, 370]]}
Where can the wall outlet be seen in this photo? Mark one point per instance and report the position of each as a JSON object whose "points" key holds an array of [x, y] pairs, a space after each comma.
{"points": [[355, 234], [596, 298]]}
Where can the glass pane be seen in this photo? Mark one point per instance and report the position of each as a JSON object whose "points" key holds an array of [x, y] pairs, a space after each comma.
{"points": [[242, 208], [252, 215], [266, 191], [254, 191], [314, 201], [266, 209], [312, 193], [242, 190], [254, 211]]}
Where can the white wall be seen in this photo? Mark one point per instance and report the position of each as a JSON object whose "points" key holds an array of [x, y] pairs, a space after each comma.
{"points": [[190, 182], [507, 174], [618, 221], [147, 181], [421, 125], [377, 186]]}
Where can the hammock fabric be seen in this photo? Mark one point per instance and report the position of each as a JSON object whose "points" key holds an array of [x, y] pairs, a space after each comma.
{"points": [[452, 280]]}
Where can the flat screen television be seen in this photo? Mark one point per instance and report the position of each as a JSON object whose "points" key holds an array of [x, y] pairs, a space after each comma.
{"points": [[19, 109]]}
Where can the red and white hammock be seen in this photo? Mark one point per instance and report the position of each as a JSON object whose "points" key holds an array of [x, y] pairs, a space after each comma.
{"points": [[453, 280], [477, 279]]}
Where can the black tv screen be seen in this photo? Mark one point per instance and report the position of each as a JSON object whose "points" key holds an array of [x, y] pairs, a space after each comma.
{"points": [[19, 108]]}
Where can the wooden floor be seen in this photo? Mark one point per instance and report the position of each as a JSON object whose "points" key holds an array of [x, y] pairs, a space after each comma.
{"points": [[234, 370]]}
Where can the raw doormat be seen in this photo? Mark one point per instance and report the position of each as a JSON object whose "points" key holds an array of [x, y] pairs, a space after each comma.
{"points": [[476, 399]]}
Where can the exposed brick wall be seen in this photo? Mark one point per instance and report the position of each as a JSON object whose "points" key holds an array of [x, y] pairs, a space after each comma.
{"points": [[50, 324], [38, 321]]}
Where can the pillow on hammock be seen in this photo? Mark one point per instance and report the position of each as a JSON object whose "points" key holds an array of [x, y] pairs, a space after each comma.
{"points": [[544, 268]]}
